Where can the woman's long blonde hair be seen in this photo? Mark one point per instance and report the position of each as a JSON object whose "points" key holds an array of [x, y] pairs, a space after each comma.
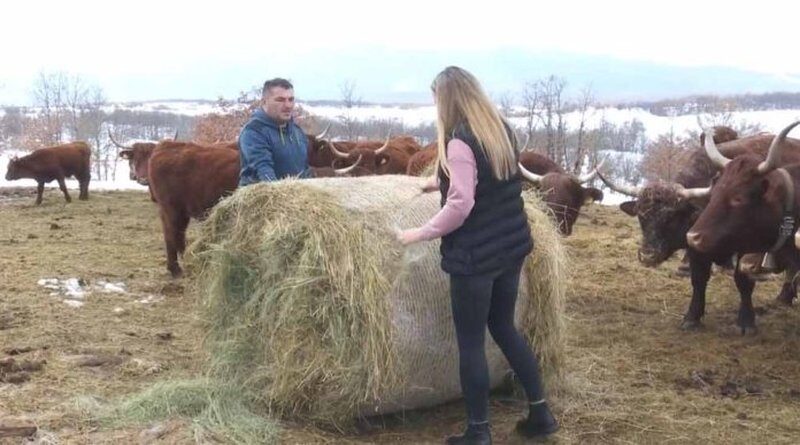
{"points": [[460, 99]]}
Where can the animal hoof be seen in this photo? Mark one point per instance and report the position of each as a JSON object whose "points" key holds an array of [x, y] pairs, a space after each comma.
{"points": [[784, 300], [749, 330], [691, 325]]}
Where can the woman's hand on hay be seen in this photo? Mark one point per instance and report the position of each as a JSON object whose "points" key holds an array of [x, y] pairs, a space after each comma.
{"points": [[431, 185], [409, 236]]}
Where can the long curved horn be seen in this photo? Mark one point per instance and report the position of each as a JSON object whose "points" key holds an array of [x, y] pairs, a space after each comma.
{"points": [[336, 152], [625, 190], [698, 192], [712, 151], [324, 132], [776, 150], [592, 174], [115, 142], [529, 175], [385, 145], [346, 170]]}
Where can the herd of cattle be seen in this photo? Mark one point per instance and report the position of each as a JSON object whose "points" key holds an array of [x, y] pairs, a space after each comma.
{"points": [[734, 198]]}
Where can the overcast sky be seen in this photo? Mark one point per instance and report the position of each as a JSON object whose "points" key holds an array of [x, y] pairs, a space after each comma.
{"points": [[108, 41]]}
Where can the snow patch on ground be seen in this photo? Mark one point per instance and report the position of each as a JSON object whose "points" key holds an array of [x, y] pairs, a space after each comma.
{"points": [[74, 291]]}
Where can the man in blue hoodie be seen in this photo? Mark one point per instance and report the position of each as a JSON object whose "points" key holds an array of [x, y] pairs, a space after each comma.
{"points": [[271, 145]]}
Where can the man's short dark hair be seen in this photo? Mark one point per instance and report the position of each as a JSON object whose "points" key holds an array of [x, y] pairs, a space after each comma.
{"points": [[276, 82]]}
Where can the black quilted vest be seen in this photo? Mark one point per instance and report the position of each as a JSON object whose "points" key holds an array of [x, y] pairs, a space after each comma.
{"points": [[496, 234]]}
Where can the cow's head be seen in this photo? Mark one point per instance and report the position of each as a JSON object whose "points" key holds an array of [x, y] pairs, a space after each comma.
{"points": [[421, 161], [138, 157], [746, 202], [375, 160], [665, 212], [319, 154], [721, 134], [354, 170], [564, 194], [14, 171]]}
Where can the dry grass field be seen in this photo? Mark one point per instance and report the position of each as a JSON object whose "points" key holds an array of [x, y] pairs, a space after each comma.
{"points": [[633, 375]]}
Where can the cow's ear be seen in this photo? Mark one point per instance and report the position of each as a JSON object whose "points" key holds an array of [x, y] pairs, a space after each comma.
{"points": [[126, 154], [591, 194], [629, 207]]}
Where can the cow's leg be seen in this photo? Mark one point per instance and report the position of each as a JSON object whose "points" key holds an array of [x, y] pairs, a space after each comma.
{"points": [[684, 270], [789, 290], [83, 182], [180, 235], [700, 268], [174, 225], [39, 191], [746, 320], [63, 186]]}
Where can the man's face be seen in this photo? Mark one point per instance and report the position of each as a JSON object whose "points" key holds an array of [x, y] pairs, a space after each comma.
{"points": [[279, 104]]}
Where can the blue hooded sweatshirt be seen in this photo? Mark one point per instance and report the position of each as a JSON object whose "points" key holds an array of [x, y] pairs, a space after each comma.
{"points": [[268, 152]]}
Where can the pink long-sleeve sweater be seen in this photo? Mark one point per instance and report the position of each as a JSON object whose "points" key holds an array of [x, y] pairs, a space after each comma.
{"points": [[460, 195]]}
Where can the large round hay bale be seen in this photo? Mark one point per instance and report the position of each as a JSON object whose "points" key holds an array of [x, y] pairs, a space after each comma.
{"points": [[310, 302]]}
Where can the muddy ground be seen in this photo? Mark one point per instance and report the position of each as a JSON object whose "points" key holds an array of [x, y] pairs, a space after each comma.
{"points": [[634, 376]]}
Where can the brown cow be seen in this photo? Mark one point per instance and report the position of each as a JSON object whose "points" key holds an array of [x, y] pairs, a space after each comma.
{"points": [[421, 161], [390, 158], [187, 179], [137, 156], [55, 163], [749, 208], [564, 193], [666, 211], [319, 153]]}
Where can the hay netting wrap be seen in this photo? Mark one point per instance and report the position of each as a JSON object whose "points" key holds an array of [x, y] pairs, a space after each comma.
{"points": [[310, 302]]}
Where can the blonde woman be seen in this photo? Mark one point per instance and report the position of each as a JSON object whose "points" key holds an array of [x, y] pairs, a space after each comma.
{"points": [[485, 238]]}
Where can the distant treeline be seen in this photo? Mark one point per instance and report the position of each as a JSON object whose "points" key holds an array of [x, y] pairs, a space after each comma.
{"points": [[715, 104]]}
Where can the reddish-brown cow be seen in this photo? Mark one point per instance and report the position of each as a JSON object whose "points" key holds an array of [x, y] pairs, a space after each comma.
{"points": [[563, 193], [187, 179], [390, 158], [55, 163], [420, 161], [748, 206], [666, 211]]}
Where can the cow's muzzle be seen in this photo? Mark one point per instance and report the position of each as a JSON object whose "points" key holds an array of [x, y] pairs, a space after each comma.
{"points": [[695, 240], [649, 258]]}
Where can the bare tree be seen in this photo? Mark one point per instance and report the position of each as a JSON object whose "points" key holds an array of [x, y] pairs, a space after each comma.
{"points": [[585, 102], [545, 105], [665, 157], [350, 100], [506, 102], [49, 95], [12, 124], [531, 102]]}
